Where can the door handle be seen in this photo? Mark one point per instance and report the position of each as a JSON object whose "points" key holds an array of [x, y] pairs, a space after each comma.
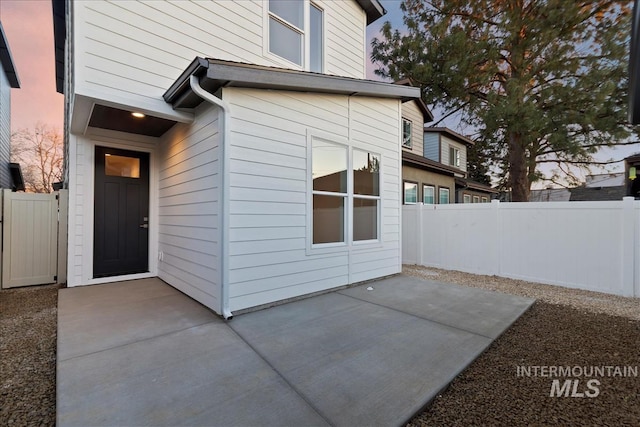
{"points": [[144, 225]]}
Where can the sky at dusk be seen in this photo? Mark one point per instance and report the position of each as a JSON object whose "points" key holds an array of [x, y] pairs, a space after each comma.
{"points": [[28, 26]]}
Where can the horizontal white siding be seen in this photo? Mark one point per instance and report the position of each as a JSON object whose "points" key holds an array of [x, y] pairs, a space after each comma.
{"points": [[134, 50], [189, 209], [411, 112], [344, 38], [268, 259], [5, 130]]}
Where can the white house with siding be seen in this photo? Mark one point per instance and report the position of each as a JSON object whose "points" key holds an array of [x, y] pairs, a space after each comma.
{"points": [[8, 80], [261, 165]]}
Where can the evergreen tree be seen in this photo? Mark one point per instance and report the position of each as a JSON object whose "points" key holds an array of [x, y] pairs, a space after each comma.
{"points": [[544, 81]]}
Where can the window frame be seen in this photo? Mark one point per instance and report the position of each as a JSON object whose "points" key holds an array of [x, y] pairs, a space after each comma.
{"points": [[406, 144], [476, 199], [337, 247], [432, 187], [377, 198], [484, 199], [454, 156], [466, 198], [440, 190], [305, 32], [404, 194]]}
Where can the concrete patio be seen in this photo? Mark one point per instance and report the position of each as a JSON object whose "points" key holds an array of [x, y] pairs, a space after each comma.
{"points": [[142, 353]]}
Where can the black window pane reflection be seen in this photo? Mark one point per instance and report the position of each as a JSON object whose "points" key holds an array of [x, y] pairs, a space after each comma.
{"points": [[328, 219], [365, 219], [366, 173]]}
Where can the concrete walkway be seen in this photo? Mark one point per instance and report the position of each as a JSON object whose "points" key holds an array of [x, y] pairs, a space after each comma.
{"points": [[142, 353]]}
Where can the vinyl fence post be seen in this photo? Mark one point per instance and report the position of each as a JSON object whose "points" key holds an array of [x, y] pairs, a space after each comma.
{"points": [[420, 231], [496, 265], [628, 247]]}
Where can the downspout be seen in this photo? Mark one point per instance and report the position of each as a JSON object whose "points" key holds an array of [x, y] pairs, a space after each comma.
{"points": [[224, 235]]}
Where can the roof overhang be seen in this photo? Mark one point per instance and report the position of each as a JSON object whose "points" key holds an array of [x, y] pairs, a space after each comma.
{"points": [[59, 35], [373, 9], [451, 134], [215, 74], [426, 113], [421, 162], [472, 185], [7, 61]]}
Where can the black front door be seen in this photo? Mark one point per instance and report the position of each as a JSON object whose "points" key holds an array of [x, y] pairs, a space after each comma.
{"points": [[121, 216]]}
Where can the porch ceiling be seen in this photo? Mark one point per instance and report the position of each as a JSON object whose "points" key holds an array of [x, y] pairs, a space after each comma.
{"points": [[121, 120]]}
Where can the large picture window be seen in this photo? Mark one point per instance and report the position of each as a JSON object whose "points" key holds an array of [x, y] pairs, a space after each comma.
{"points": [[344, 187]]}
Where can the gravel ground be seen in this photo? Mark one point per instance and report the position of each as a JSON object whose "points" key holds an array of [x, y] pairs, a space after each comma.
{"points": [[565, 327], [28, 356]]}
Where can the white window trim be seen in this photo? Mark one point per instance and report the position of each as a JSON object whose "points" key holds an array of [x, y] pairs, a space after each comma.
{"points": [[448, 195], [456, 159], [466, 198], [410, 144], [306, 55], [404, 194], [434, 194], [369, 197], [338, 247]]}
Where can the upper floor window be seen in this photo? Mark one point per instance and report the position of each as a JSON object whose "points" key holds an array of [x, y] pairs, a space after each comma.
{"points": [[406, 133], [316, 45], [466, 198], [296, 33], [454, 157], [476, 199], [485, 200]]}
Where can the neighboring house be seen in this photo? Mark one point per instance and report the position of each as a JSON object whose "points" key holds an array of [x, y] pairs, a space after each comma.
{"points": [[434, 163], [232, 149], [8, 80], [583, 194], [550, 195], [597, 187]]}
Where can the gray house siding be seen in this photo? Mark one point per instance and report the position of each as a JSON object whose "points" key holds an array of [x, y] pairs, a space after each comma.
{"points": [[432, 146]]}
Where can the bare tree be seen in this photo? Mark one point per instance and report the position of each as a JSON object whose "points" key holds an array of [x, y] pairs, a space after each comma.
{"points": [[40, 154]]}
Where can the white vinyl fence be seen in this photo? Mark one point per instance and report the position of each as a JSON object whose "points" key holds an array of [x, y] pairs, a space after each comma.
{"points": [[585, 245]]}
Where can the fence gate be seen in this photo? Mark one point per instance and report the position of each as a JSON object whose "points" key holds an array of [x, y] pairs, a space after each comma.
{"points": [[29, 239]]}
